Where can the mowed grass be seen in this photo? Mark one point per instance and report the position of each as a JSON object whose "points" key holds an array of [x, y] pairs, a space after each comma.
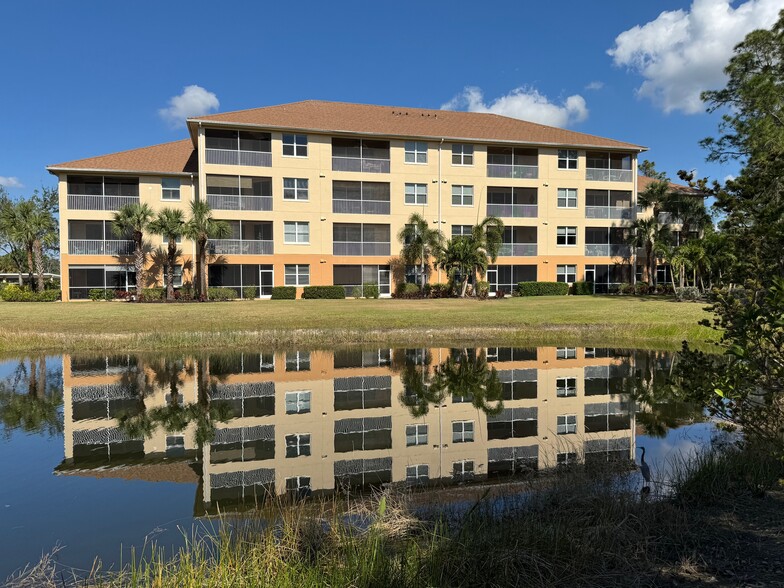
{"points": [[557, 320]]}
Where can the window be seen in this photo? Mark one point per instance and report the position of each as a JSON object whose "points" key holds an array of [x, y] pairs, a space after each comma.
{"points": [[462, 431], [296, 232], [567, 198], [298, 402], [295, 188], [175, 445], [463, 469], [461, 230], [416, 193], [566, 273], [566, 353], [462, 154], [567, 424], [462, 195], [298, 486], [416, 435], [567, 159], [295, 145], [177, 271], [171, 188], [566, 387], [298, 361], [566, 236], [566, 458], [417, 474], [298, 445], [297, 275], [416, 152]]}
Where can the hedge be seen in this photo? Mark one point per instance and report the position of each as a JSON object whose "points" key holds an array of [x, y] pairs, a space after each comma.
{"points": [[542, 289], [221, 294], [284, 293], [582, 288], [250, 292], [13, 293], [153, 294], [100, 294], [438, 290], [406, 290], [370, 290], [324, 292]]}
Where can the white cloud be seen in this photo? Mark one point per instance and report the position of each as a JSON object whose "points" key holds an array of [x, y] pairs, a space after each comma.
{"points": [[524, 103], [595, 85], [681, 54], [10, 182], [194, 101]]}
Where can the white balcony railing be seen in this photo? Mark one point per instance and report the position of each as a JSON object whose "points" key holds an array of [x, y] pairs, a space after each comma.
{"points": [[360, 206], [360, 248], [606, 250], [517, 249], [608, 175], [235, 157], [614, 212], [239, 247], [668, 218], [95, 247], [360, 164], [238, 202], [520, 172], [513, 210], [99, 202]]}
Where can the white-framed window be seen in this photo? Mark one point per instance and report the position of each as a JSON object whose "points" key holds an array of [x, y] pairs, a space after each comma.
{"points": [[462, 195], [416, 152], [295, 145], [175, 445], [177, 276], [566, 458], [565, 387], [297, 444], [298, 402], [566, 353], [463, 469], [567, 159], [295, 189], [566, 424], [416, 435], [298, 361], [170, 188], [462, 431], [297, 232], [566, 273], [417, 474], [462, 154], [567, 198], [590, 352], [461, 230], [416, 194], [566, 236], [297, 275], [298, 485]]}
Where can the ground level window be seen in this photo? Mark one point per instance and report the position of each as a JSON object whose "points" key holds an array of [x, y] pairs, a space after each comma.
{"points": [[356, 276], [242, 278], [566, 273], [506, 277], [417, 474], [297, 275], [82, 279], [463, 470], [566, 352]]}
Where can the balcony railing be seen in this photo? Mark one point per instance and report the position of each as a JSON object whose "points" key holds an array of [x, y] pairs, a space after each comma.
{"points": [[94, 247], [607, 250], [608, 175], [359, 248], [517, 249], [513, 210], [239, 247], [614, 212], [237, 202], [235, 157], [360, 164], [99, 202], [505, 170], [667, 218], [360, 206]]}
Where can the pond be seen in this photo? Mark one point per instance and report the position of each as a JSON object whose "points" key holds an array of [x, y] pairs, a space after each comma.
{"points": [[101, 453]]}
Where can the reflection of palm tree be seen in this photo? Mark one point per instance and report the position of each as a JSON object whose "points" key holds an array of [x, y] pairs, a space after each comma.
{"points": [[420, 390], [38, 409], [469, 376]]}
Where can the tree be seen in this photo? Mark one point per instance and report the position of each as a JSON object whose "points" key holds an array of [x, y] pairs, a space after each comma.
{"points": [[652, 237], [134, 220], [465, 256], [169, 224], [202, 227], [31, 226], [420, 243]]}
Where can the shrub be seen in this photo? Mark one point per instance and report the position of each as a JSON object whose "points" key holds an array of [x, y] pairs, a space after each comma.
{"points": [[405, 290], [122, 294], [371, 290], [186, 294], [627, 289], [284, 293], [250, 292], [582, 288], [356, 292], [324, 292], [482, 290], [663, 289], [542, 289], [153, 294], [641, 288], [688, 293], [221, 294], [500, 293], [100, 294], [438, 290], [13, 293]]}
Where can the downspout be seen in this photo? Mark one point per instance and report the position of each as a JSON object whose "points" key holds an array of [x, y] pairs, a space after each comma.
{"points": [[440, 145], [636, 195]]}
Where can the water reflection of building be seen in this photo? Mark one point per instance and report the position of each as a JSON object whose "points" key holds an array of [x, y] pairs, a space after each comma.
{"points": [[312, 422]]}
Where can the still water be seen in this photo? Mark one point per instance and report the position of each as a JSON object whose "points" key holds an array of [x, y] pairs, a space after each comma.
{"points": [[100, 453]]}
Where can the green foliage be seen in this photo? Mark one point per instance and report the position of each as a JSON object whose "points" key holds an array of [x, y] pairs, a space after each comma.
{"points": [[356, 292], [582, 288], [438, 290], [284, 293], [100, 294], [370, 290], [324, 292], [250, 292], [222, 294], [13, 293], [420, 242], [482, 290], [405, 290], [542, 289], [186, 294], [152, 295], [688, 293]]}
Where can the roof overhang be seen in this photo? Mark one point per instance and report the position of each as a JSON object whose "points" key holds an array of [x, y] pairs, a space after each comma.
{"points": [[54, 170]]}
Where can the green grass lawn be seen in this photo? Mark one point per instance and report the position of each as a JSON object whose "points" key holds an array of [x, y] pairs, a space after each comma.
{"points": [[572, 320]]}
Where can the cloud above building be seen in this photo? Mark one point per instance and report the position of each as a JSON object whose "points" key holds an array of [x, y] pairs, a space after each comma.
{"points": [[10, 182], [194, 101]]}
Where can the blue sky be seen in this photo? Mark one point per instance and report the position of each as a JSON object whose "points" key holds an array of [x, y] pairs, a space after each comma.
{"points": [[91, 77]]}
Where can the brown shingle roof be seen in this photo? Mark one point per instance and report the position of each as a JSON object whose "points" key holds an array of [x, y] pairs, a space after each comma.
{"points": [[392, 121], [175, 158], [644, 181]]}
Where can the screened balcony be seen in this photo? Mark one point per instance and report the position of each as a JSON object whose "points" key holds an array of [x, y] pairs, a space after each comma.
{"points": [[226, 147], [509, 162], [610, 204], [101, 192], [360, 239], [601, 166], [96, 238], [360, 197], [360, 155], [239, 193], [247, 238], [518, 241], [606, 242], [512, 202]]}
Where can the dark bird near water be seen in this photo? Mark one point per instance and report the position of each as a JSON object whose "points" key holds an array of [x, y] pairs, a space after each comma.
{"points": [[645, 469]]}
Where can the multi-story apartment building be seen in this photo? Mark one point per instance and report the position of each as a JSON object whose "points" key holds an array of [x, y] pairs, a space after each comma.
{"points": [[316, 193]]}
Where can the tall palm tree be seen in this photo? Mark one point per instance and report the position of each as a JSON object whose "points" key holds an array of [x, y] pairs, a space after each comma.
{"points": [[467, 255], [489, 235], [420, 243], [653, 238], [202, 227], [33, 227], [169, 224], [134, 220]]}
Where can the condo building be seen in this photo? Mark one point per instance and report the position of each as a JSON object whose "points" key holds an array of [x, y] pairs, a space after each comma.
{"points": [[316, 192]]}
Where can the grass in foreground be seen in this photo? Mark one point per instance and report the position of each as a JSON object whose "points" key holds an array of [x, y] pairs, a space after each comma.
{"points": [[573, 320]]}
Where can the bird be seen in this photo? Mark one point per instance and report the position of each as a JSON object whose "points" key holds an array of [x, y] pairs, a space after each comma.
{"points": [[645, 469]]}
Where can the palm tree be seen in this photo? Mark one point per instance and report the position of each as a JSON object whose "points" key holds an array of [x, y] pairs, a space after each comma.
{"points": [[169, 224], [467, 255], [468, 375], [33, 227], [420, 243], [134, 219], [653, 238], [202, 227]]}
